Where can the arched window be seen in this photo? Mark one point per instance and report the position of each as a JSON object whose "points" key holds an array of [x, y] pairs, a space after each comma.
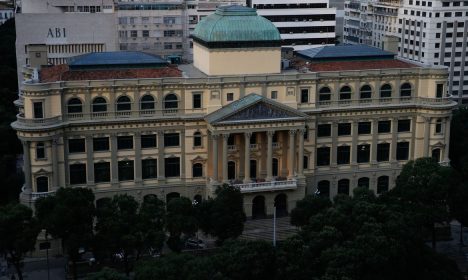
{"points": [[197, 139], [197, 170], [365, 92], [197, 199], [42, 184], [171, 196], [171, 102], [345, 93], [124, 103], [305, 163], [363, 182], [74, 105], [99, 105], [323, 188], [405, 90], [147, 102], [382, 184], [343, 186], [325, 94], [386, 91]]}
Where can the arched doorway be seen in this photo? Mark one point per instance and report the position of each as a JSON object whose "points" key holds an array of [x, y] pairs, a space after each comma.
{"points": [[343, 186], [436, 155], [231, 170], [363, 182], [281, 205], [171, 196], [275, 167], [150, 197], [258, 207], [253, 169], [323, 188], [197, 199]]}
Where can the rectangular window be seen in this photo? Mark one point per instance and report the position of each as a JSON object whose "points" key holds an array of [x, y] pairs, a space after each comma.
{"points": [[171, 140], [133, 33], [304, 95], [196, 99], [440, 91], [146, 33], [363, 153], [404, 125], [172, 167], [364, 128], [148, 141], [343, 153], [77, 174], [101, 172], [230, 96], [101, 144], [40, 150], [149, 168], [274, 94], [126, 170], [323, 156], [385, 126], [124, 142], [76, 145], [323, 130], [344, 129], [38, 110], [383, 152], [402, 151]]}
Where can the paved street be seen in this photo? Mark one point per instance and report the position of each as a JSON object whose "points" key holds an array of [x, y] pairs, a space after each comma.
{"points": [[452, 248], [37, 269]]}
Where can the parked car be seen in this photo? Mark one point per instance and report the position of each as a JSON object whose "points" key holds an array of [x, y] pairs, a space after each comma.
{"points": [[194, 243]]}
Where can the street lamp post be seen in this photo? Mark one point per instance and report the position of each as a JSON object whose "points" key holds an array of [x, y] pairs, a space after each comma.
{"points": [[274, 226]]}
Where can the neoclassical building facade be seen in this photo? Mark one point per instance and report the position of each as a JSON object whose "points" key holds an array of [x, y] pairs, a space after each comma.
{"points": [[144, 127]]}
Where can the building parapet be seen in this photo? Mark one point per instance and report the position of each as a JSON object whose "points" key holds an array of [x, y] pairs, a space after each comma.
{"points": [[267, 186]]}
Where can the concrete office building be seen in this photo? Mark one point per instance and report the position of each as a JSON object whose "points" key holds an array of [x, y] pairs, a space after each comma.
{"points": [[428, 32], [64, 29], [302, 23], [144, 127]]}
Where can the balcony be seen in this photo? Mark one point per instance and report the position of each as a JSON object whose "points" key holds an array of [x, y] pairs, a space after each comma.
{"points": [[276, 145], [254, 146], [35, 195], [390, 101], [232, 148], [267, 186], [38, 122]]}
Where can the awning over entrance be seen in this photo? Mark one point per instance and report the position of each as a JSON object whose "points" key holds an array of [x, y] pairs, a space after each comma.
{"points": [[254, 108]]}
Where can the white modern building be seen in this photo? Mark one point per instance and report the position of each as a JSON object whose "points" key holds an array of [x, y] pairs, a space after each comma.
{"points": [[301, 23], [429, 32]]}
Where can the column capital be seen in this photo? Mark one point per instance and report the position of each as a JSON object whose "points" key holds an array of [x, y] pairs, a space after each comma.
{"points": [[302, 131], [292, 131], [248, 134], [270, 133], [214, 136], [225, 136]]}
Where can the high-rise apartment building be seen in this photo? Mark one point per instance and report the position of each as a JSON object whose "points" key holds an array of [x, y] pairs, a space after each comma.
{"points": [[6, 11], [429, 32], [302, 23], [343, 117]]}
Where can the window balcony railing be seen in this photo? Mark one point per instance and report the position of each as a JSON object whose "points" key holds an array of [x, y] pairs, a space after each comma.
{"points": [[36, 195], [267, 186], [385, 101], [276, 145], [39, 121], [232, 148], [254, 146]]}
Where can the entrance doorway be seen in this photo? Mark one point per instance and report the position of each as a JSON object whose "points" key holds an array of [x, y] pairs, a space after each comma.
{"points": [[258, 207], [281, 205], [231, 170]]}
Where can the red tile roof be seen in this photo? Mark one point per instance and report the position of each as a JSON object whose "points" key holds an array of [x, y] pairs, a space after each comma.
{"points": [[62, 73], [355, 65]]}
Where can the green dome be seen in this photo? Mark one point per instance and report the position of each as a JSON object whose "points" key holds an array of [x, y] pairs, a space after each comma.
{"points": [[235, 24]]}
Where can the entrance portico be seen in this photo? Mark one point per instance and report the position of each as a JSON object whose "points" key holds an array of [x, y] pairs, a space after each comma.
{"points": [[257, 135]]}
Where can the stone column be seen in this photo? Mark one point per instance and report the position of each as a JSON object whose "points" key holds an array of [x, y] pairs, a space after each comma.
{"points": [[354, 148], [114, 162], [447, 140], [393, 146], [225, 158], [374, 141], [427, 129], [89, 160], [27, 166], [292, 146], [214, 138], [270, 155], [247, 136], [300, 162], [55, 169], [334, 147], [161, 167], [138, 177]]}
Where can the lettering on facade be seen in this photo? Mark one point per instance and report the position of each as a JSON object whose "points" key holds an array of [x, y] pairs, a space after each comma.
{"points": [[57, 32]]}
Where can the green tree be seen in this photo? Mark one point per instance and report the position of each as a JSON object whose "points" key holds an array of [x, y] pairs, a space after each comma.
{"points": [[424, 185], [180, 218], [115, 227], [458, 196], [18, 234], [307, 207], [107, 274], [169, 267], [224, 215], [69, 216]]}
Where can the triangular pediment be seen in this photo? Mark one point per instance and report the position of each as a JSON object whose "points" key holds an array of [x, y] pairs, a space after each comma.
{"points": [[254, 108]]}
